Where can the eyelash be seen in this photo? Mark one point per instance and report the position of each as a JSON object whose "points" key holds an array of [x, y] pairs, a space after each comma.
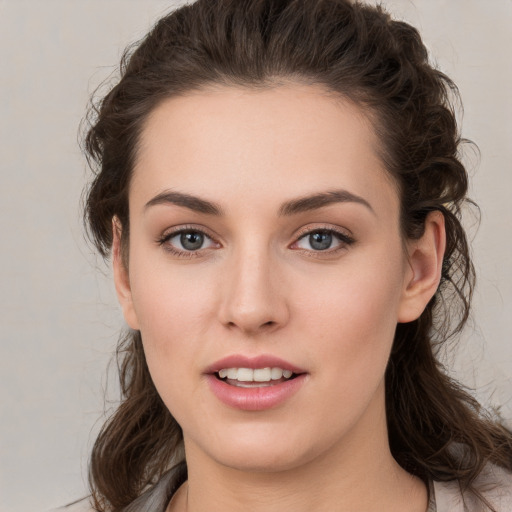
{"points": [[162, 241], [344, 239]]}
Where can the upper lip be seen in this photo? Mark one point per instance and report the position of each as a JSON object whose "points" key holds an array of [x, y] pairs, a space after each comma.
{"points": [[260, 361]]}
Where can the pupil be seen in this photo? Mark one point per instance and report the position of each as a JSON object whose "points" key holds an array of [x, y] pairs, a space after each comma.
{"points": [[192, 240], [320, 240]]}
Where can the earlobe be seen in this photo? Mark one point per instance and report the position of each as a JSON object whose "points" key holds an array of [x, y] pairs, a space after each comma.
{"points": [[121, 277], [425, 256]]}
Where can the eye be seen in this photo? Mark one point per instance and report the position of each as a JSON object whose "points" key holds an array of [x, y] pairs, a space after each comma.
{"points": [[327, 240], [186, 242]]}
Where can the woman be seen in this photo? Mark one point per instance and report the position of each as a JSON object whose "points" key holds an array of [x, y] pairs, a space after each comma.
{"points": [[279, 186]]}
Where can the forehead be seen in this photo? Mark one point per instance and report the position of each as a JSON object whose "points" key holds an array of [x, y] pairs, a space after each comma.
{"points": [[290, 139]]}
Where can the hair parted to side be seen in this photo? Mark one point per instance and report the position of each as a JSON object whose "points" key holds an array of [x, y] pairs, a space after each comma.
{"points": [[382, 66]]}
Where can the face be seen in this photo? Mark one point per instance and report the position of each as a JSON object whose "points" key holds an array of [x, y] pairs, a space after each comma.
{"points": [[264, 234]]}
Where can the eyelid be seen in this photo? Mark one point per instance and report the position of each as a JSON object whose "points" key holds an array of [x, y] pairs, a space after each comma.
{"points": [[176, 230], [344, 236], [306, 230]]}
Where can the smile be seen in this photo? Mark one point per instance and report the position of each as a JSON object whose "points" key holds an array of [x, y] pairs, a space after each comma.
{"points": [[254, 383], [257, 377]]}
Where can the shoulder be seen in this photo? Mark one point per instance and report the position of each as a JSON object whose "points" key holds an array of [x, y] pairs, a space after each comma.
{"points": [[494, 483], [155, 499], [83, 505]]}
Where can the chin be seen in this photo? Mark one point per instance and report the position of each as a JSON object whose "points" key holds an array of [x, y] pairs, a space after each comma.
{"points": [[261, 461], [263, 451]]}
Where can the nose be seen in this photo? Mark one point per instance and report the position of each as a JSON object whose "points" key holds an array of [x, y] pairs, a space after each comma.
{"points": [[253, 294]]}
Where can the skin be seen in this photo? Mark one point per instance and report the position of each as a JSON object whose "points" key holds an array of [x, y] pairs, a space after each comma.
{"points": [[257, 286]]}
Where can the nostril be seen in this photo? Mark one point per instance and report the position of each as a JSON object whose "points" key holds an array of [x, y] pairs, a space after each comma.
{"points": [[252, 329]]}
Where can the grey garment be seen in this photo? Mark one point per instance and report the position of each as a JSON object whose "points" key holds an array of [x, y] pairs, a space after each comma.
{"points": [[494, 483], [154, 499], [431, 498], [157, 498]]}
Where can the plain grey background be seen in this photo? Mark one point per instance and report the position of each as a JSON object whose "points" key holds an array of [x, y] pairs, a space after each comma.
{"points": [[59, 317]]}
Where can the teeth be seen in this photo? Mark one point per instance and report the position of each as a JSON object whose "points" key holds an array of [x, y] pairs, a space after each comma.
{"points": [[262, 375], [256, 375], [276, 373], [232, 373], [245, 374]]}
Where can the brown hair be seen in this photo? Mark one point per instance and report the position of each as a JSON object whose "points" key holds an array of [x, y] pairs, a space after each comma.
{"points": [[362, 54]]}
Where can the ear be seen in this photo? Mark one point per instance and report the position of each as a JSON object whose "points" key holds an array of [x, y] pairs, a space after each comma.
{"points": [[121, 277], [425, 257]]}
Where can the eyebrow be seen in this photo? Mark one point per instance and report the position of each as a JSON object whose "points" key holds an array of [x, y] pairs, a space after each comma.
{"points": [[316, 201], [289, 208], [188, 201]]}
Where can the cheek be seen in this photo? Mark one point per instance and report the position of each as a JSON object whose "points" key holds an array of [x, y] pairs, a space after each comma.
{"points": [[172, 317], [350, 339], [173, 308], [352, 318]]}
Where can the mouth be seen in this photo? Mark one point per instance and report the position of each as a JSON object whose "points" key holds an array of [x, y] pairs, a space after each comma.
{"points": [[254, 377], [255, 383]]}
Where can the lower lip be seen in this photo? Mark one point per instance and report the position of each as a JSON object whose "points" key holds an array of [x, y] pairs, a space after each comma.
{"points": [[257, 398]]}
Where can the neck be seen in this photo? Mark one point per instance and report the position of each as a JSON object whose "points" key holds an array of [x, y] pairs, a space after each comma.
{"points": [[359, 473]]}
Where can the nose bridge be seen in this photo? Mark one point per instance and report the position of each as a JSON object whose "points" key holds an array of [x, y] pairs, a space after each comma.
{"points": [[252, 299]]}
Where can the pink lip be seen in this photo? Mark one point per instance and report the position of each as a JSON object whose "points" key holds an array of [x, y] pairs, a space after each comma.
{"points": [[254, 398], [261, 361]]}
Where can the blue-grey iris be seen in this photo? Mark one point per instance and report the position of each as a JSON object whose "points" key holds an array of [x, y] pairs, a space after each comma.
{"points": [[191, 240], [320, 240]]}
